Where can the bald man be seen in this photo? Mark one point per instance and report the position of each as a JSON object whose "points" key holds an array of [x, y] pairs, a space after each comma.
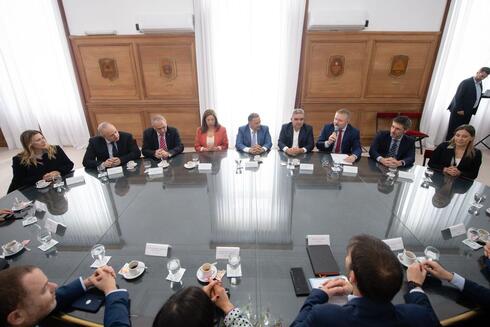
{"points": [[111, 148]]}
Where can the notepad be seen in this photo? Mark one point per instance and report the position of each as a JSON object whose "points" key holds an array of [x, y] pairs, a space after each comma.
{"points": [[322, 260]]}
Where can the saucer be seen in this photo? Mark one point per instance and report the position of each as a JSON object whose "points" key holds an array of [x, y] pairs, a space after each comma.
{"points": [[141, 270], [190, 165], [201, 278], [43, 185], [163, 164], [22, 205], [9, 254], [399, 256]]}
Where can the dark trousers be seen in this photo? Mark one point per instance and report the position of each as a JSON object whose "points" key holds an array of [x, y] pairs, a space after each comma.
{"points": [[455, 121]]}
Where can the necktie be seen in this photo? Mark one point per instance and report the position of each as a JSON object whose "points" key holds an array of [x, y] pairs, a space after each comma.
{"points": [[115, 152], [339, 141], [162, 142], [254, 138], [393, 149]]}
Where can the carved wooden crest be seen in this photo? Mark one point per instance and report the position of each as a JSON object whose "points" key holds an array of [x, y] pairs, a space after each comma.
{"points": [[108, 68], [335, 66], [399, 65], [168, 68]]}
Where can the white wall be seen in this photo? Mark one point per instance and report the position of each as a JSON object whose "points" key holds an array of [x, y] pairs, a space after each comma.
{"points": [[118, 15], [391, 15]]}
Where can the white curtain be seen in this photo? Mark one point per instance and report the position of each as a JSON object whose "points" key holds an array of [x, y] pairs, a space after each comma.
{"points": [[37, 83], [462, 52], [248, 55]]}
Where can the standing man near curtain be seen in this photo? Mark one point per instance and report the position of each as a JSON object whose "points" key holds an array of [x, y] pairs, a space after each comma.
{"points": [[160, 140], [466, 100]]}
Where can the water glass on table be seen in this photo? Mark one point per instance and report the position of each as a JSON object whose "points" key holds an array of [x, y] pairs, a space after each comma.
{"points": [[98, 253]]}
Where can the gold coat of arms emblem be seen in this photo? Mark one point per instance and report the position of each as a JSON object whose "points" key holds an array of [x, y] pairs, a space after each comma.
{"points": [[168, 68], [335, 66], [399, 65], [108, 68]]}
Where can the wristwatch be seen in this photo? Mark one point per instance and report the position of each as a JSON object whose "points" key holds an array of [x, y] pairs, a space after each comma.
{"points": [[411, 285]]}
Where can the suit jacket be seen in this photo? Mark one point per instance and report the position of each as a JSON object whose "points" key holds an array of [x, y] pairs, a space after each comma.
{"points": [[151, 142], [220, 139], [29, 175], [477, 293], [305, 138], [465, 97], [116, 313], [443, 157], [243, 138], [97, 151], [365, 312], [351, 140], [381, 147]]}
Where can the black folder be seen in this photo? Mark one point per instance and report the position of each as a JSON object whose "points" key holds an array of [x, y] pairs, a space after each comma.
{"points": [[322, 260]]}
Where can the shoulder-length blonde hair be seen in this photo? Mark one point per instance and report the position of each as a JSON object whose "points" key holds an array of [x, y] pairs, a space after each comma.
{"points": [[470, 148], [28, 157]]}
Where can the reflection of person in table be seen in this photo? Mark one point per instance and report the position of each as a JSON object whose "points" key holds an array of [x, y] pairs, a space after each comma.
{"points": [[445, 187], [466, 101], [195, 306], [375, 276], [458, 157], [38, 160], [28, 296], [471, 290]]}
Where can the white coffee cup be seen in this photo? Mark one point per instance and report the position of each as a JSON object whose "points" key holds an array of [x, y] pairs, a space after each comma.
{"points": [[12, 246], [41, 183], [131, 164], [133, 268], [206, 270], [408, 257]]}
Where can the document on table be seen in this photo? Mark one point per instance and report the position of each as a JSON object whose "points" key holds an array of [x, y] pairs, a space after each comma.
{"points": [[339, 158], [395, 244], [224, 252]]}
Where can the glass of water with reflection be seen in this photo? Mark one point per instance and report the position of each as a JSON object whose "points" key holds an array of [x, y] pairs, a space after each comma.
{"points": [[173, 266], [43, 235], [98, 252], [431, 253]]}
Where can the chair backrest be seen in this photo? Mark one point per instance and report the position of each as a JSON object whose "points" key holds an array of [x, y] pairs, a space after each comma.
{"points": [[427, 155], [384, 116]]}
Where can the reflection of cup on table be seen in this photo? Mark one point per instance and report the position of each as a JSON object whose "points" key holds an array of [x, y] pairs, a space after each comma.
{"points": [[133, 268], [234, 261], [408, 257], [206, 270]]}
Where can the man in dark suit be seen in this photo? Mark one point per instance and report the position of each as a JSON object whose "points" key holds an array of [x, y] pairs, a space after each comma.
{"points": [[466, 100], [375, 277], [110, 148], [341, 137], [471, 290], [28, 296], [161, 141], [296, 137], [253, 138], [393, 148]]}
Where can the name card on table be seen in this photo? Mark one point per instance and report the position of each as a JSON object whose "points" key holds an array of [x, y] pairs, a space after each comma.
{"points": [[349, 171], [223, 252], [205, 166], [155, 171], [156, 249], [395, 244], [318, 239], [251, 164], [115, 171], [406, 175], [456, 230], [75, 180], [54, 226], [306, 167]]}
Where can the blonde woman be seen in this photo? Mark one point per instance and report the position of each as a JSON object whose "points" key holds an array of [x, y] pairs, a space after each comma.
{"points": [[39, 160], [458, 157]]}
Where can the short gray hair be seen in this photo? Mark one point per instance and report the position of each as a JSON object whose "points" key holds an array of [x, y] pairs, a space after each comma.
{"points": [[343, 111], [252, 116], [102, 126], [157, 118], [298, 111]]}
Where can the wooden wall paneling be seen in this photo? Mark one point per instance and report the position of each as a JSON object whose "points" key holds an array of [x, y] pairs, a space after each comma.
{"points": [[411, 84], [123, 85], [168, 69]]}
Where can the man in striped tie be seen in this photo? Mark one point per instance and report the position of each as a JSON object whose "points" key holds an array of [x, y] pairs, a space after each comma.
{"points": [[393, 148], [161, 141]]}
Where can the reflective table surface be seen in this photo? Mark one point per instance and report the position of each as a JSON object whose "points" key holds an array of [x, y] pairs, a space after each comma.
{"points": [[266, 211]]}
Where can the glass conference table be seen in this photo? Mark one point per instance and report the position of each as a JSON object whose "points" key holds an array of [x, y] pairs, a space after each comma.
{"points": [[266, 211]]}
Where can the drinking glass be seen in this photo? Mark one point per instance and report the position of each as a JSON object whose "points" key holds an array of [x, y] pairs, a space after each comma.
{"points": [[431, 253], [234, 261], [429, 173], [290, 163], [58, 183], [102, 172], [98, 252], [43, 235], [195, 158], [147, 164], [391, 172], [173, 266]]}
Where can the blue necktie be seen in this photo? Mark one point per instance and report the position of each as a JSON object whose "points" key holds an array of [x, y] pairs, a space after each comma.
{"points": [[254, 138], [393, 149]]}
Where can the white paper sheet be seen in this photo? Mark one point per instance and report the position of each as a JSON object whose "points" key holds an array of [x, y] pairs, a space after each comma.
{"points": [[318, 239], [156, 249], [395, 244], [223, 252], [339, 158]]}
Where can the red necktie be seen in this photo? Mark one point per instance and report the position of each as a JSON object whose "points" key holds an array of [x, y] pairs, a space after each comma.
{"points": [[339, 142], [162, 141]]}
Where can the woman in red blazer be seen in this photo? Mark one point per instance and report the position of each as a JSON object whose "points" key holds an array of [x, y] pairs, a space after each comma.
{"points": [[211, 136]]}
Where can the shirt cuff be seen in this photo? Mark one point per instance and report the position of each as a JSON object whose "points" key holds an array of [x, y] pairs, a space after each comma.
{"points": [[327, 144], [246, 149], [304, 150], [264, 148], [458, 281], [379, 158], [403, 163], [83, 284], [416, 289], [285, 148], [118, 290]]}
